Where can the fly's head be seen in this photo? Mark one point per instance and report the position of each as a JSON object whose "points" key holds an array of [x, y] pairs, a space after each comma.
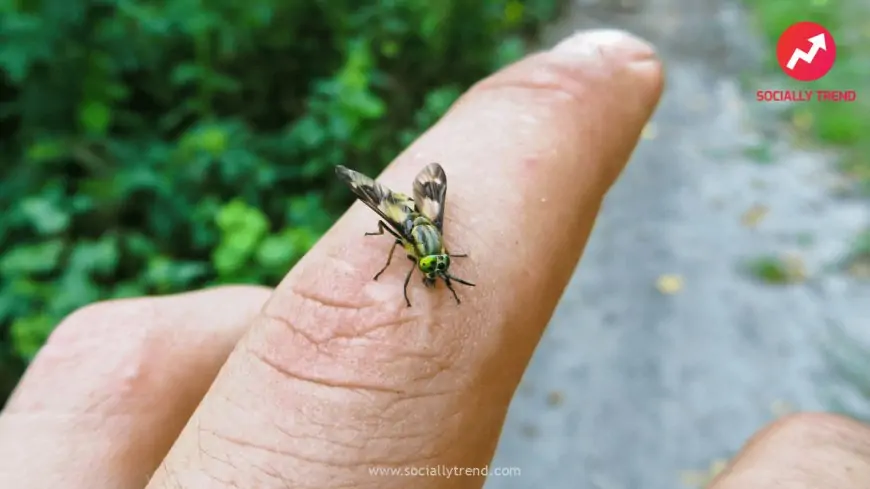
{"points": [[434, 266]]}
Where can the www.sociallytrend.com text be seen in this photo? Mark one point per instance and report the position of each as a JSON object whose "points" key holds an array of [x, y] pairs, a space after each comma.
{"points": [[445, 471]]}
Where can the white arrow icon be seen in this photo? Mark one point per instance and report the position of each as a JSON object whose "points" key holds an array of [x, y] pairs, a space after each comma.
{"points": [[818, 42]]}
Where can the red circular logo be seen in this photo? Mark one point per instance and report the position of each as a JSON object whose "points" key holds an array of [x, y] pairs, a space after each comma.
{"points": [[806, 51]]}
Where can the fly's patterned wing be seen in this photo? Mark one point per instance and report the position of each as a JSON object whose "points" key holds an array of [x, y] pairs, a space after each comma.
{"points": [[430, 192], [394, 207]]}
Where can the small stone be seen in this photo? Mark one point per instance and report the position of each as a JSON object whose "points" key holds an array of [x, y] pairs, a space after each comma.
{"points": [[555, 398], [529, 430]]}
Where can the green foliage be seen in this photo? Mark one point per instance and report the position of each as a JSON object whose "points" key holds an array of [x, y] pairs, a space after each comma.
{"points": [[150, 148], [774, 270]]}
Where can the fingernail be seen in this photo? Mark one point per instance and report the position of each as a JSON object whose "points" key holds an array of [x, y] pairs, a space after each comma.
{"points": [[616, 45]]}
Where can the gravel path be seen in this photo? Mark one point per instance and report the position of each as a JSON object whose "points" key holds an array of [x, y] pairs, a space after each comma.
{"points": [[634, 388]]}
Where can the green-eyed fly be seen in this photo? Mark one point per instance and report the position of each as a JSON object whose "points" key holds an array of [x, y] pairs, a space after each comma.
{"points": [[416, 223]]}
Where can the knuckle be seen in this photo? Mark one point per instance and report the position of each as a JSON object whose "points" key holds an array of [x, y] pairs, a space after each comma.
{"points": [[135, 319], [97, 359], [802, 450], [818, 430], [102, 320]]}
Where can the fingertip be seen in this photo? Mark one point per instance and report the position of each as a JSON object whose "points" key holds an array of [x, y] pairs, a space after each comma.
{"points": [[617, 44], [619, 49]]}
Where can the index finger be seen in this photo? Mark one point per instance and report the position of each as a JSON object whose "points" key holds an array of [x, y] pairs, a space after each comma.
{"points": [[338, 375]]}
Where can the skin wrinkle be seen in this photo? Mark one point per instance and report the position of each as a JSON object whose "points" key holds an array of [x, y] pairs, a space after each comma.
{"points": [[386, 418], [227, 460], [324, 301], [360, 326], [413, 381], [171, 476], [322, 382], [330, 460], [422, 379], [335, 342], [356, 429], [334, 333], [386, 400]]}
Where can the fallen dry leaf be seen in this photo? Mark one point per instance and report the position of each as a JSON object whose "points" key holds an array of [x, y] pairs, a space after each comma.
{"points": [[795, 268], [802, 120], [754, 215], [699, 479], [781, 408], [860, 269], [669, 284]]}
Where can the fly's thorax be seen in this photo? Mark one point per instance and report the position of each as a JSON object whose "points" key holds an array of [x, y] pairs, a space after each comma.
{"points": [[427, 239], [410, 220]]}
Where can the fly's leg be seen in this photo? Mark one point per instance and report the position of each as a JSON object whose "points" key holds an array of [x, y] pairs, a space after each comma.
{"points": [[382, 226], [450, 286], [463, 282], [408, 278], [389, 258], [458, 255]]}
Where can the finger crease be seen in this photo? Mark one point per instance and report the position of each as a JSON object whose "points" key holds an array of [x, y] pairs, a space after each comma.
{"points": [[286, 372], [326, 301]]}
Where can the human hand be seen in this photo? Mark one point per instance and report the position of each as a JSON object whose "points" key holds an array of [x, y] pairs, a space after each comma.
{"points": [[331, 376]]}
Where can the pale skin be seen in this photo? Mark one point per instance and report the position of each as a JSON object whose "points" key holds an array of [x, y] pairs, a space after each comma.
{"points": [[313, 383]]}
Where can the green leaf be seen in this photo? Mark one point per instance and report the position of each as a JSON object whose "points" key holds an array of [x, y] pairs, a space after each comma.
{"points": [[31, 259], [168, 275], [213, 140], [30, 332], [74, 290], [242, 227], [127, 290], [45, 216], [100, 257], [95, 117], [277, 252], [46, 150]]}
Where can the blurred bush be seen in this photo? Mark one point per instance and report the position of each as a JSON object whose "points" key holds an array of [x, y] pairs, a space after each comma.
{"points": [[155, 147]]}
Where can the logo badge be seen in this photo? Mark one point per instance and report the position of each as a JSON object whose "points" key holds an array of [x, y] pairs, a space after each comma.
{"points": [[806, 51]]}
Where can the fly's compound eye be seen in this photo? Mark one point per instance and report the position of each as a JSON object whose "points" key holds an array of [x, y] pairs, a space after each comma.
{"points": [[427, 264]]}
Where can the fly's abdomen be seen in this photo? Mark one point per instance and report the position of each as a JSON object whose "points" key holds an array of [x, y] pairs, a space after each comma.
{"points": [[427, 239]]}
